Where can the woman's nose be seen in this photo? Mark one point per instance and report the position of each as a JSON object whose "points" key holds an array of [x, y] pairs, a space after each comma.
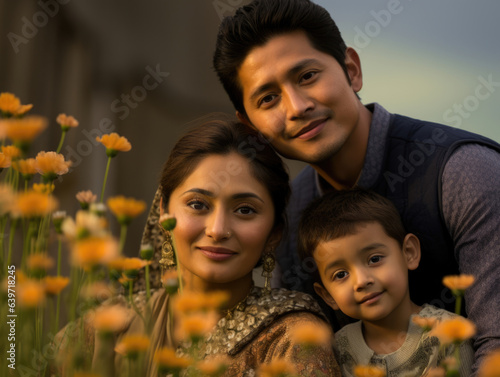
{"points": [[218, 226]]}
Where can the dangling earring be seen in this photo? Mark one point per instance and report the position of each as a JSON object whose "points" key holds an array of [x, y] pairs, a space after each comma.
{"points": [[167, 260], [268, 263]]}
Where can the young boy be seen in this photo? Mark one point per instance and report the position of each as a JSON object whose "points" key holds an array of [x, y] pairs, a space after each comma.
{"points": [[363, 255]]}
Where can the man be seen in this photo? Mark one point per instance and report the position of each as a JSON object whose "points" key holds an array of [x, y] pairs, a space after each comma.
{"points": [[290, 75]]}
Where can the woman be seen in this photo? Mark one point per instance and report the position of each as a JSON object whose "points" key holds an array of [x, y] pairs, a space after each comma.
{"points": [[228, 195]]}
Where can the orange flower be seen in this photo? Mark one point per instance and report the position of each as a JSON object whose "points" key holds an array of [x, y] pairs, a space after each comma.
{"points": [[11, 151], [436, 372], [125, 209], [131, 345], [166, 358], [5, 161], [490, 366], [92, 251], [98, 291], [110, 319], [66, 121], [26, 167], [311, 334], [170, 281], [213, 367], [30, 294], [33, 204], [426, 323], [195, 326], [6, 198], [85, 198], [190, 301], [123, 264], [368, 371], [51, 164], [24, 130], [277, 368], [39, 261], [114, 143], [11, 105], [454, 330], [458, 282], [43, 188], [55, 284]]}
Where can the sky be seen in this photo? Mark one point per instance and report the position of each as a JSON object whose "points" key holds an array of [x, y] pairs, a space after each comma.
{"points": [[432, 60]]}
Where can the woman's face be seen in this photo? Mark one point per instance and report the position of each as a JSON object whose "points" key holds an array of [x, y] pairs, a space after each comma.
{"points": [[224, 220]]}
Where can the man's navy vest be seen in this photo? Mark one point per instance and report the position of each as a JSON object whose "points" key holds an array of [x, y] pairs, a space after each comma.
{"points": [[415, 155]]}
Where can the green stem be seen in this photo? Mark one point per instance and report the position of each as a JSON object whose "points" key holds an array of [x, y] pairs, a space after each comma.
{"points": [[123, 237], [63, 135], [59, 252], [177, 263], [11, 239], [58, 309], [148, 290], [105, 178], [458, 304]]}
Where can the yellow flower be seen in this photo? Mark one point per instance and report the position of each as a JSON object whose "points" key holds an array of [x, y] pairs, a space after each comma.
{"points": [[51, 164], [312, 334], [190, 301], [43, 188], [368, 371], [92, 251], [114, 143], [66, 121], [131, 345], [426, 323], [24, 130], [5, 161], [33, 204], [26, 167], [454, 330], [11, 105], [125, 209], [39, 261], [458, 282], [11, 151], [213, 367], [490, 366], [170, 281], [436, 372], [276, 368], [166, 358], [30, 294], [195, 326], [110, 319], [55, 284]]}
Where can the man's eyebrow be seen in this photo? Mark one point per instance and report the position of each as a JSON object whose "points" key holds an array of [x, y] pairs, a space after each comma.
{"points": [[299, 66]]}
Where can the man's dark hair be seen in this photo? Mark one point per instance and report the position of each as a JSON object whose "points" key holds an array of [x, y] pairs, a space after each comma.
{"points": [[339, 214], [255, 24]]}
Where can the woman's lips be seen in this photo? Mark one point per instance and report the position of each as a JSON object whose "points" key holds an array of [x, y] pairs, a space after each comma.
{"points": [[216, 253]]}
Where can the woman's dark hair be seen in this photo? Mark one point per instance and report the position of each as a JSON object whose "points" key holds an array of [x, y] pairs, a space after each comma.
{"points": [[222, 137], [255, 24], [339, 214]]}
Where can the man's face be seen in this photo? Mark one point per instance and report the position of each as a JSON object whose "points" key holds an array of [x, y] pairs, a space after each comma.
{"points": [[299, 98]]}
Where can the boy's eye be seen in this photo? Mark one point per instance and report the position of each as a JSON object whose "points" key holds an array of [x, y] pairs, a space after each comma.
{"points": [[340, 275], [375, 259]]}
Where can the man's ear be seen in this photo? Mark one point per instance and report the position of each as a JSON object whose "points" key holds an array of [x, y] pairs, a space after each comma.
{"points": [[244, 119], [326, 296], [411, 250], [353, 65]]}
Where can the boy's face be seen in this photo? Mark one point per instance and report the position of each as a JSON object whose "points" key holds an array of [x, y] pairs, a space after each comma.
{"points": [[299, 98], [365, 274]]}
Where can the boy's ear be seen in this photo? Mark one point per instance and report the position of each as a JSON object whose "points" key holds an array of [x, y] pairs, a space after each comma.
{"points": [[325, 295], [244, 119], [411, 250]]}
